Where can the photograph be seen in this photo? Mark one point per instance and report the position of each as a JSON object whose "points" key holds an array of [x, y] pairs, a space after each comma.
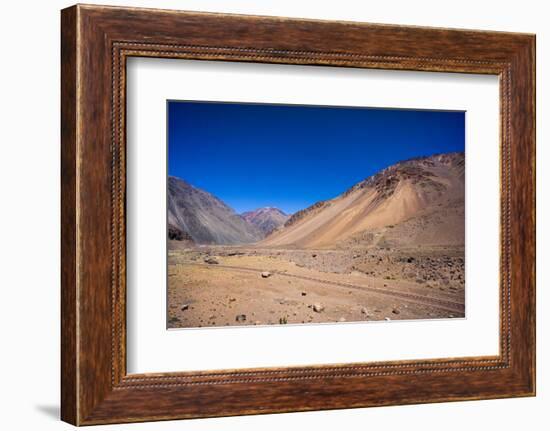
{"points": [[297, 214]]}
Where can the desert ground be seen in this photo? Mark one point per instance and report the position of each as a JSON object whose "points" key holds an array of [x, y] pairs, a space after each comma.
{"points": [[236, 285]]}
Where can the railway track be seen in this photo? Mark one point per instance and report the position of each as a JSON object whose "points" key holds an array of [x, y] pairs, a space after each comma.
{"points": [[411, 297]]}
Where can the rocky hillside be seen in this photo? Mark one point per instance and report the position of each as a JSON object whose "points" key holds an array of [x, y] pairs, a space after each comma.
{"points": [[266, 219], [204, 217], [414, 202]]}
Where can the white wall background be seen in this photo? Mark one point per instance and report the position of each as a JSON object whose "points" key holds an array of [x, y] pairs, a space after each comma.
{"points": [[29, 220]]}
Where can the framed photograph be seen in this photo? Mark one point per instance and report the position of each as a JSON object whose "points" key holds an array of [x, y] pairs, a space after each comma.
{"points": [[266, 215]]}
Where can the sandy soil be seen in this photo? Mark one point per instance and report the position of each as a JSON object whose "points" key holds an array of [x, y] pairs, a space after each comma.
{"points": [[230, 286]]}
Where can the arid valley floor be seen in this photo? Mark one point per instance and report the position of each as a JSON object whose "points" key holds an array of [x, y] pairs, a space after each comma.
{"points": [[278, 286]]}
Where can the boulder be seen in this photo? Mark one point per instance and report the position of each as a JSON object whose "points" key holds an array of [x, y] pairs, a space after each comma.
{"points": [[318, 308], [211, 260]]}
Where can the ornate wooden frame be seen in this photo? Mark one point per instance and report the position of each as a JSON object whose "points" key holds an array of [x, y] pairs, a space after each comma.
{"points": [[95, 43]]}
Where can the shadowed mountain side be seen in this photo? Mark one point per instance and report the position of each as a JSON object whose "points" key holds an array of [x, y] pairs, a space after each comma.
{"points": [[266, 219], [205, 218], [417, 201]]}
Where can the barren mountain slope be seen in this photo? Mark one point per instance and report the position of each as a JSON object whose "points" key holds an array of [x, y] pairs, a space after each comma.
{"points": [[266, 219], [419, 201], [206, 218]]}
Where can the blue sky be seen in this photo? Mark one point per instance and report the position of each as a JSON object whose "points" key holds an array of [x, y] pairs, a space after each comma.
{"points": [[291, 156]]}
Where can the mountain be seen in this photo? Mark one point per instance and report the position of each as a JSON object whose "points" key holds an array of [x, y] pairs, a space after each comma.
{"points": [[205, 218], [414, 202], [266, 219]]}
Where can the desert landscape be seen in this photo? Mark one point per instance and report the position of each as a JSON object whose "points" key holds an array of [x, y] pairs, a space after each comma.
{"points": [[389, 248]]}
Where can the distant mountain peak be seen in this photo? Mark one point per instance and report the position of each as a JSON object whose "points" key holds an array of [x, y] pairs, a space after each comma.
{"points": [[266, 219]]}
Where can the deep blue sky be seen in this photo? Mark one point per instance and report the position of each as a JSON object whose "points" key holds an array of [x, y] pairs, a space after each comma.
{"points": [[291, 156]]}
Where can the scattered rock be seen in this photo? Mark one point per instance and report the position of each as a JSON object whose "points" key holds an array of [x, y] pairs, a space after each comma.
{"points": [[184, 307], [232, 299], [342, 319], [364, 310], [318, 307], [387, 319], [177, 234], [314, 255], [304, 293], [395, 311], [211, 260], [266, 274], [240, 318]]}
